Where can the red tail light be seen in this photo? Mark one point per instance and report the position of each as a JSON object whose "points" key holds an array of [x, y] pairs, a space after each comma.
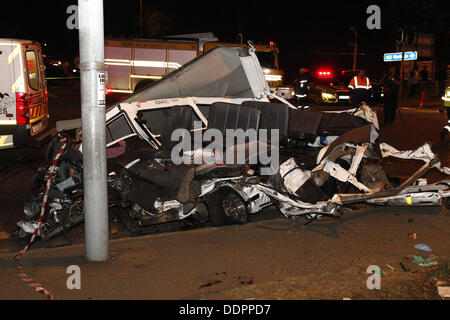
{"points": [[22, 108]]}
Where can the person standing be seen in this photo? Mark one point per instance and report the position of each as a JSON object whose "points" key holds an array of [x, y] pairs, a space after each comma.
{"points": [[413, 82], [446, 98], [391, 84], [301, 89], [360, 88], [424, 74]]}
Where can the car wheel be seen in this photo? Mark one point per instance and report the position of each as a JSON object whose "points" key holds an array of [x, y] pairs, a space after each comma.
{"points": [[200, 215], [227, 207]]}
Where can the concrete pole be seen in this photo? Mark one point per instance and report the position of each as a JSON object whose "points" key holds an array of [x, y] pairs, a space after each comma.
{"points": [[92, 70]]}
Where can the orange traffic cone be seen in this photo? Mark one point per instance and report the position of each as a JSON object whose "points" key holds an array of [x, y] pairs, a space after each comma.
{"points": [[422, 99]]}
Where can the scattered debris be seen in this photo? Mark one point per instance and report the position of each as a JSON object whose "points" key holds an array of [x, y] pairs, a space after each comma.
{"points": [[423, 247], [404, 267], [423, 262], [390, 267], [210, 283], [412, 236], [444, 292]]}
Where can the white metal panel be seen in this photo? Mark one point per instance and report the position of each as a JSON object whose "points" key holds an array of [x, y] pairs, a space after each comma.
{"points": [[9, 59], [118, 75], [142, 55]]}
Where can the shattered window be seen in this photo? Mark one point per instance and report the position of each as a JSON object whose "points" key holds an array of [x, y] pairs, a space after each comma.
{"points": [[153, 119], [157, 120], [117, 128]]}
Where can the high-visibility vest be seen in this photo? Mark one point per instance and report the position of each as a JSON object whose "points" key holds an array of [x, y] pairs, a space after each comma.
{"points": [[446, 97], [361, 84]]}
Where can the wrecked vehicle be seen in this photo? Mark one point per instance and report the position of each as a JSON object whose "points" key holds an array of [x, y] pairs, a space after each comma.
{"points": [[164, 165]]}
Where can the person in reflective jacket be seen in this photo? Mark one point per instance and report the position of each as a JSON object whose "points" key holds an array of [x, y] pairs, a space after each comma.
{"points": [[301, 89], [446, 99], [360, 86]]}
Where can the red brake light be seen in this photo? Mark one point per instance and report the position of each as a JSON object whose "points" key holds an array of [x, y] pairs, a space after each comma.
{"points": [[22, 108], [325, 74]]}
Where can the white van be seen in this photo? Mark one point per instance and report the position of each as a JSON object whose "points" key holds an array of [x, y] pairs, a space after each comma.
{"points": [[23, 93]]}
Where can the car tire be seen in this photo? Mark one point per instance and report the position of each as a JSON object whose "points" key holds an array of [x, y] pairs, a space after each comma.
{"points": [[226, 207]]}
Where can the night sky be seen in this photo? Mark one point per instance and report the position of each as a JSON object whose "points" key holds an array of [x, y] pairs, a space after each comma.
{"points": [[307, 32]]}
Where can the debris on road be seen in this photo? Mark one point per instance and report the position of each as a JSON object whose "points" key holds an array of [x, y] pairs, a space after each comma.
{"points": [[423, 247], [412, 235], [444, 292], [390, 267], [404, 267], [424, 262]]}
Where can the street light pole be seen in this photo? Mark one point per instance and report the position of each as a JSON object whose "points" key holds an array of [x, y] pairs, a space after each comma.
{"points": [[353, 41], [355, 51], [400, 39], [92, 76], [401, 71], [141, 26]]}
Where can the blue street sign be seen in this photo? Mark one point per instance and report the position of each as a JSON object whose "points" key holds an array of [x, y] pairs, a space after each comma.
{"points": [[397, 56]]}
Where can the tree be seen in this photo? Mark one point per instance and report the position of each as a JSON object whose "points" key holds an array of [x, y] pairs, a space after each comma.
{"points": [[156, 23]]}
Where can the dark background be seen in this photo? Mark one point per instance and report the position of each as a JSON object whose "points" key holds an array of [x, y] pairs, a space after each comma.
{"points": [[306, 32]]}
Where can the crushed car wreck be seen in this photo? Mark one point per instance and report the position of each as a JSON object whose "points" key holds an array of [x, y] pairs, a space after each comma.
{"points": [[167, 160]]}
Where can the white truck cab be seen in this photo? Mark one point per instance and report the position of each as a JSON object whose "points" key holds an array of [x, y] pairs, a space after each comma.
{"points": [[23, 93]]}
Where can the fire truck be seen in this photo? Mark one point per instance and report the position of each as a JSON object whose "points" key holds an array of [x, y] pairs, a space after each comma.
{"points": [[134, 64]]}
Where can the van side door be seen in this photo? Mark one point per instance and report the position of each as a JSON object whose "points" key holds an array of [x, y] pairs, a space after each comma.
{"points": [[35, 86]]}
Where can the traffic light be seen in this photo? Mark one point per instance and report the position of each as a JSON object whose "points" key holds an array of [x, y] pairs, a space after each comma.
{"points": [[352, 36], [399, 37]]}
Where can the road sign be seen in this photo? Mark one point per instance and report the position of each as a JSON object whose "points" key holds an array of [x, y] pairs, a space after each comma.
{"points": [[397, 56]]}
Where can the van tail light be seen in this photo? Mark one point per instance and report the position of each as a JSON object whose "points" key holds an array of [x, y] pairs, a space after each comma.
{"points": [[22, 108]]}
